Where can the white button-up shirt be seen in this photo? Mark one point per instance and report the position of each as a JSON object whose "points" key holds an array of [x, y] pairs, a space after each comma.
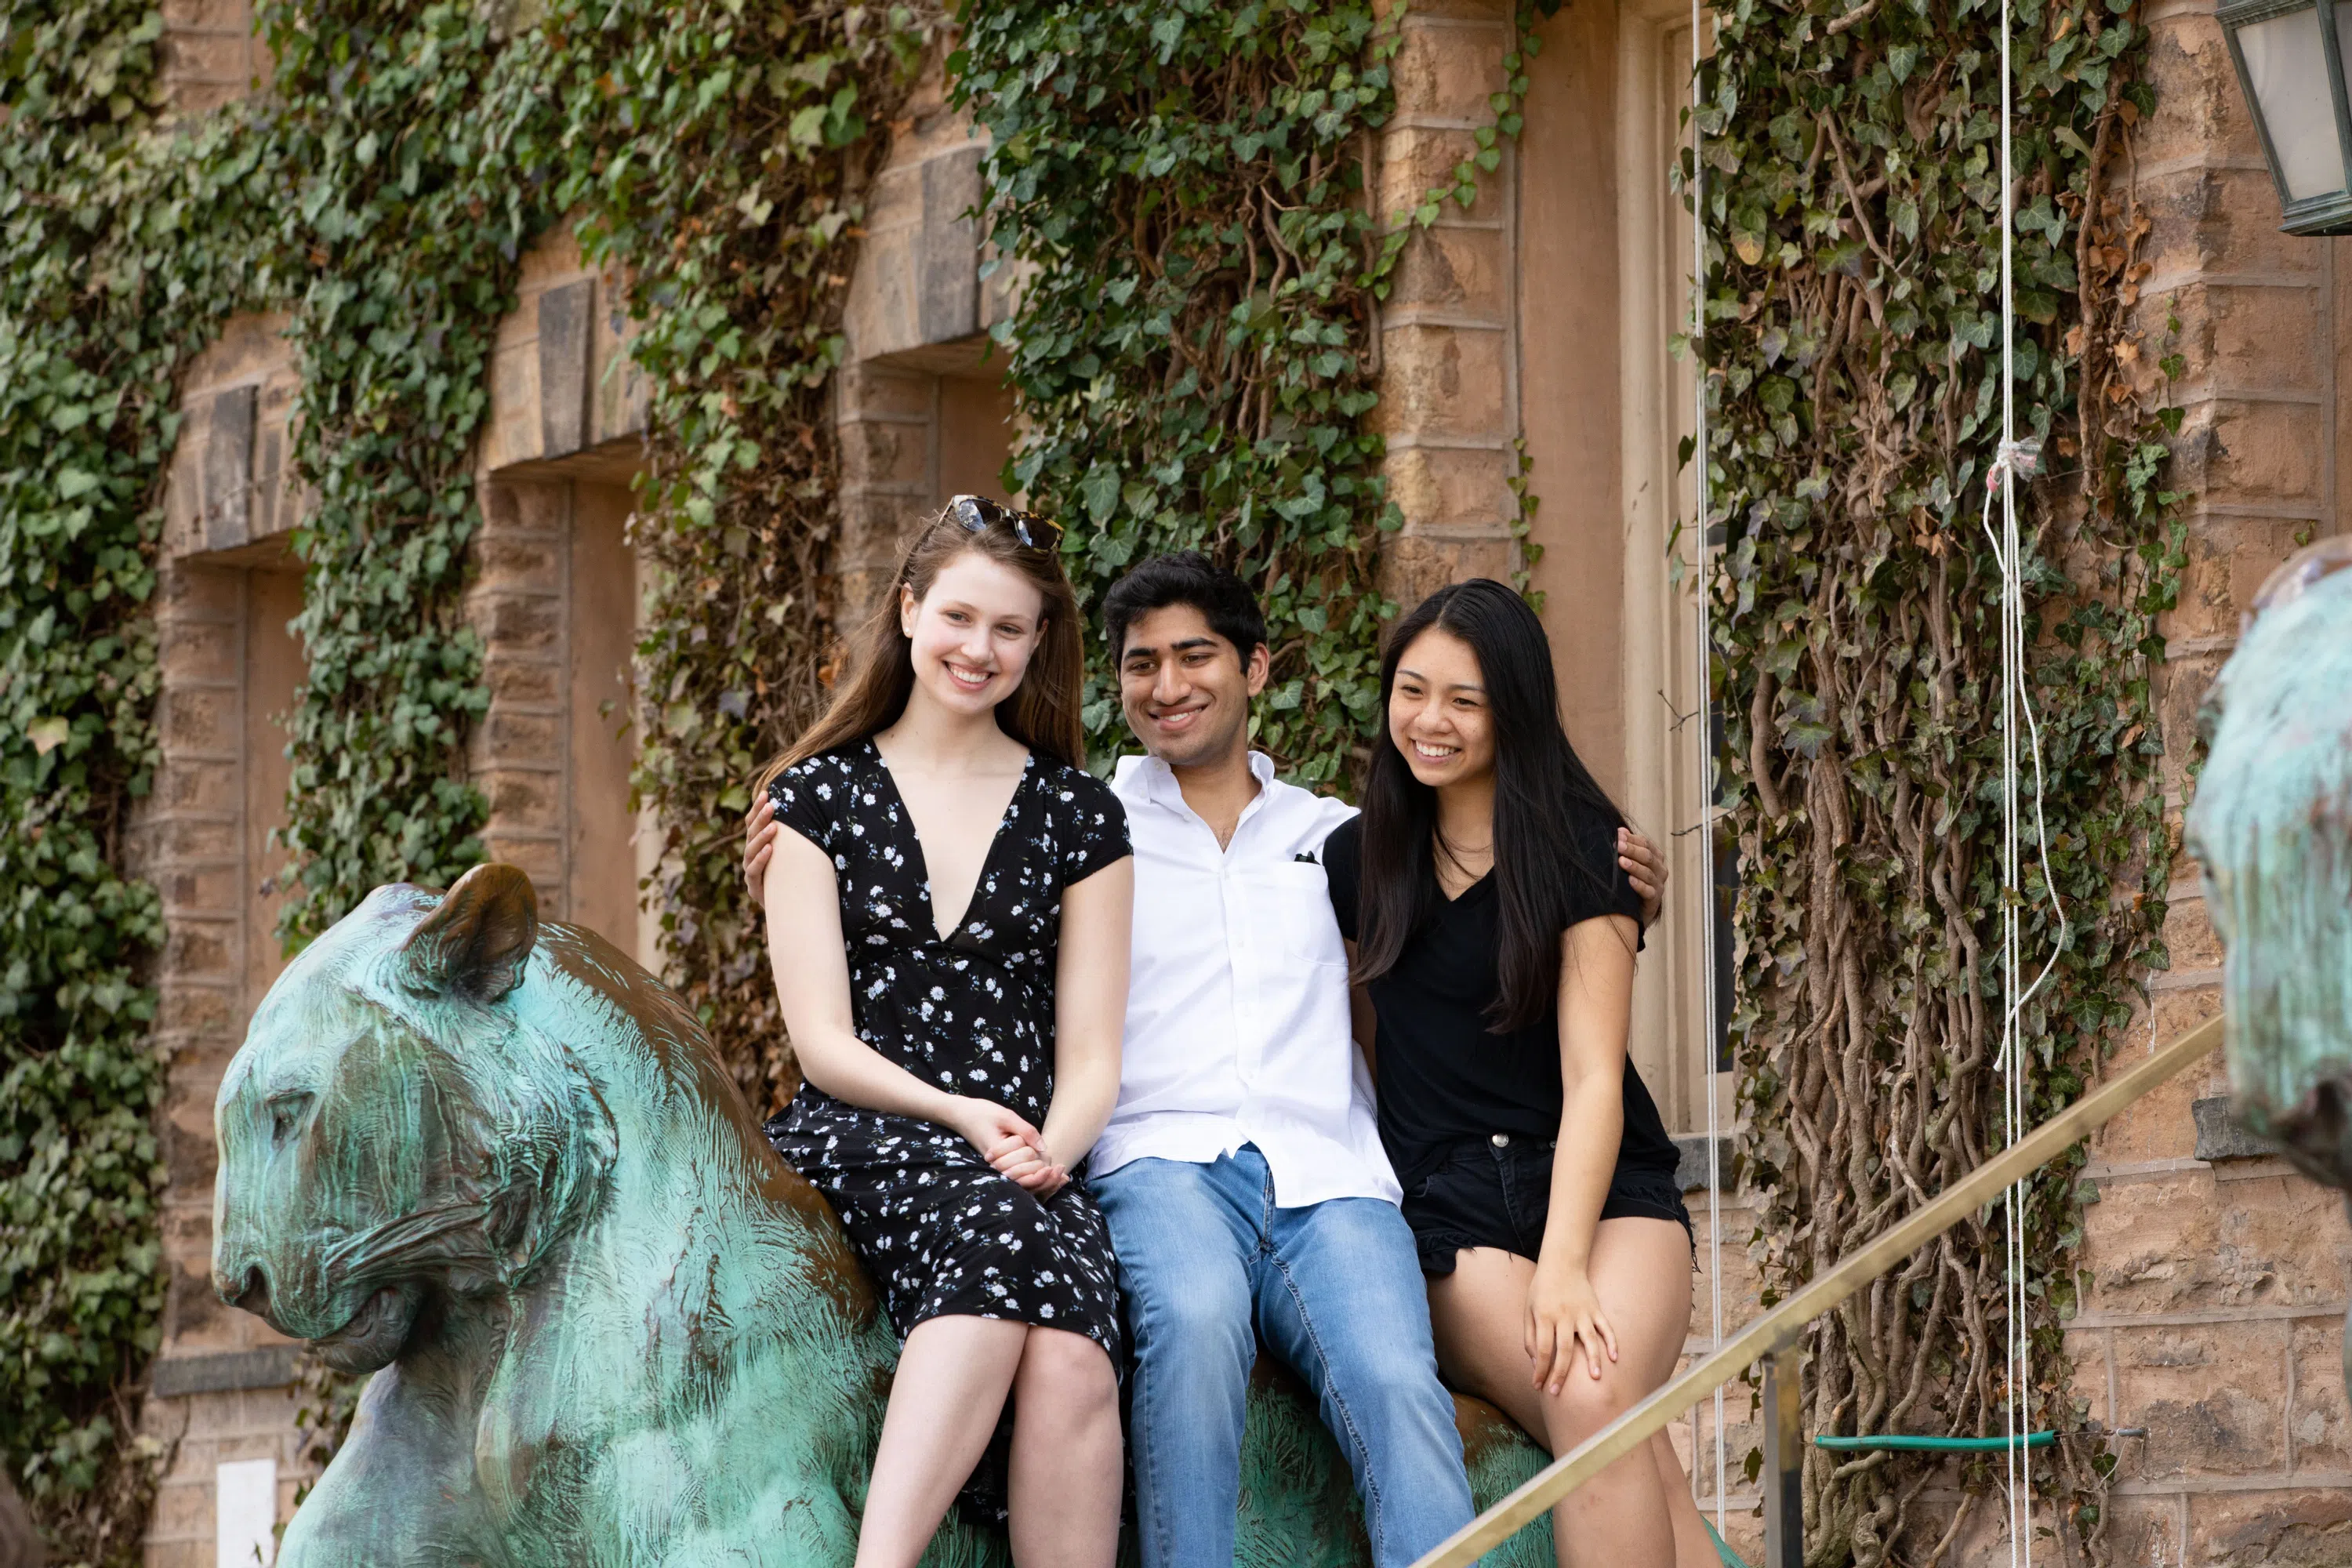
{"points": [[1237, 1027]]}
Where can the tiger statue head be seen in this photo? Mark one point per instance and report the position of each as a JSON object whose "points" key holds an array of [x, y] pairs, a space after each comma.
{"points": [[388, 1127]]}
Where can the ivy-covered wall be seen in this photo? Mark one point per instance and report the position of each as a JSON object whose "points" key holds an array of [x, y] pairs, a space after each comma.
{"points": [[1192, 199], [1852, 357]]}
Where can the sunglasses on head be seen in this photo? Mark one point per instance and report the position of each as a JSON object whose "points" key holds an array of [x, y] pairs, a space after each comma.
{"points": [[977, 514]]}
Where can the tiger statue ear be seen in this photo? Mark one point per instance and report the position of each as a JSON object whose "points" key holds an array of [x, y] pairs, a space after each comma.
{"points": [[478, 941]]}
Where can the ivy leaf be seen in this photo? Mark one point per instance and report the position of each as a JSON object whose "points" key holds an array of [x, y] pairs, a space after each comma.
{"points": [[1099, 491], [49, 734]]}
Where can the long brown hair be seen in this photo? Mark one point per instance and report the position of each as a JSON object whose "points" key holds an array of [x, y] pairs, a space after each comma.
{"points": [[1042, 712], [1542, 790]]}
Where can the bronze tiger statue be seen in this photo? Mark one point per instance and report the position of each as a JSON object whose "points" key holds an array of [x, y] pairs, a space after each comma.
{"points": [[498, 1165]]}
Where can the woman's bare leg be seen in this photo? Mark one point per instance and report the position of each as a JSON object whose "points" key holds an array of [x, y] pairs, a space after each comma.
{"points": [[1628, 1514], [952, 1378], [1066, 1465]]}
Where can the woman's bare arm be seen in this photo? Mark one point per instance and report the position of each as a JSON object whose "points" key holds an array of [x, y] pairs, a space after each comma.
{"points": [[812, 970], [1362, 1022], [1089, 1009], [1596, 1004]]}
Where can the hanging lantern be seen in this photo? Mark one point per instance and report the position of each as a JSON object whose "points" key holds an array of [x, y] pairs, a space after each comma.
{"points": [[2291, 66]]}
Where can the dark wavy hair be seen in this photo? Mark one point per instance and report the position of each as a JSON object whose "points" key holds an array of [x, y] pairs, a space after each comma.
{"points": [[1184, 577], [1541, 787]]}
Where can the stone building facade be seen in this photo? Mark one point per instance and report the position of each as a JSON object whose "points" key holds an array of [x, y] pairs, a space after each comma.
{"points": [[2214, 1280]]}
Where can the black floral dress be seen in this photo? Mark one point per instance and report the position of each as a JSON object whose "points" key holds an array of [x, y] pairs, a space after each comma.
{"points": [[942, 1233]]}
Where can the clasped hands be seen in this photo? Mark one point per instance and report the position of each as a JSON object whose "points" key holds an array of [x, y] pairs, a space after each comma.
{"points": [[1009, 1144]]}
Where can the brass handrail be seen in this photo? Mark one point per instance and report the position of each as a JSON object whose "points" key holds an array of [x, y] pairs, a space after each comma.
{"points": [[1781, 1325]]}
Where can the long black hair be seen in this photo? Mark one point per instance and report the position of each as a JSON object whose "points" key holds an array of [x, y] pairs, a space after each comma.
{"points": [[1541, 788]]}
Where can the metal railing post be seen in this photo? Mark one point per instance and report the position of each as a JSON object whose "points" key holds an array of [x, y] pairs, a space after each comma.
{"points": [[1784, 1456]]}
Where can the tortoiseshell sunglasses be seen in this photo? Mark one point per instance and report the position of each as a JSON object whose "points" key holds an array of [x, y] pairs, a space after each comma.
{"points": [[977, 514]]}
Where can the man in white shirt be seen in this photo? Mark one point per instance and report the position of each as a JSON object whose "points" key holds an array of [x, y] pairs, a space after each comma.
{"points": [[1242, 1172]]}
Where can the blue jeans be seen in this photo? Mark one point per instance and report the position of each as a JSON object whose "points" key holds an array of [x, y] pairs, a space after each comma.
{"points": [[1207, 1263]]}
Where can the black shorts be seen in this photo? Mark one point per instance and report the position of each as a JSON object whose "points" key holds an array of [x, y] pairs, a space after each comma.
{"points": [[1497, 1191]]}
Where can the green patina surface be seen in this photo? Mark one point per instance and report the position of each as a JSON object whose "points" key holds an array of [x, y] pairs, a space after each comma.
{"points": [[2272, 827], [496, 1163]]}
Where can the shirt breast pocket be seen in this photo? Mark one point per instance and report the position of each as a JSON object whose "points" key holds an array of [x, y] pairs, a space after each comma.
{"points": [[1295, 914]]}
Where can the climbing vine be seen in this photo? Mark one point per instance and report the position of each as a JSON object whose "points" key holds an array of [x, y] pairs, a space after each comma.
{"points": [[1852, 361], [721, 159], [1182, 188], [1195, 346], [119, 243], [380, 195]]}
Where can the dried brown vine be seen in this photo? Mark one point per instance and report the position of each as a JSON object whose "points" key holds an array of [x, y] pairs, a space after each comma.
{"points": [[1852, 357]]}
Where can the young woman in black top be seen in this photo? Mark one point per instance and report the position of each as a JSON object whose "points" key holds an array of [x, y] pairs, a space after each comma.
{"points": [[1494, 932]]}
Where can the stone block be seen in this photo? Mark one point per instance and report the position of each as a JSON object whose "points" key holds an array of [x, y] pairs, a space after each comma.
{"points": [[2160, 1126], [553, 258], [879, 452], [2218, 220], [233, 1372], [524, 800], [1411, 568], [190, 1155], [1458, 270], [277, 494], [513, 561], [2220, 1137], [2266, 452], [2199, 110], [214, 889], [2213, 1397], [2140, 1528], [202, 719], [191, 950], [1448, 71], [195, 1318], [533, 682], [192, 592], [192, 1010], [1416, 160], [1462, 487], [195, 838], [507, 737], [511, 433], [206, 16], [622, 394], [2185, 1242], [2319, 1426], [1442, 382], [199, 650], [220, 60], [2180, 684], [208, 788], [1691, 1173], [2294, 1527], [894, 202], [228, 467], [566, 323], [540, 860], [948, 275], [518, 624], [872, 391], [2267, 338], [184, 1508], [191, 99]]}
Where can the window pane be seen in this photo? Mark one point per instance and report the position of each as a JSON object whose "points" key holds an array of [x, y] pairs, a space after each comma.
{"points": [[2289, 75]]}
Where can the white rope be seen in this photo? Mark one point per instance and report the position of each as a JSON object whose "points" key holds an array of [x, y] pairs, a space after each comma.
{"points": [[2013, 458], [1710, 1024]]}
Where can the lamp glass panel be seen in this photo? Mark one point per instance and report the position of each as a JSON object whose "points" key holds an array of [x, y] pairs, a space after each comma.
{"points": [[2288, 72]]}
